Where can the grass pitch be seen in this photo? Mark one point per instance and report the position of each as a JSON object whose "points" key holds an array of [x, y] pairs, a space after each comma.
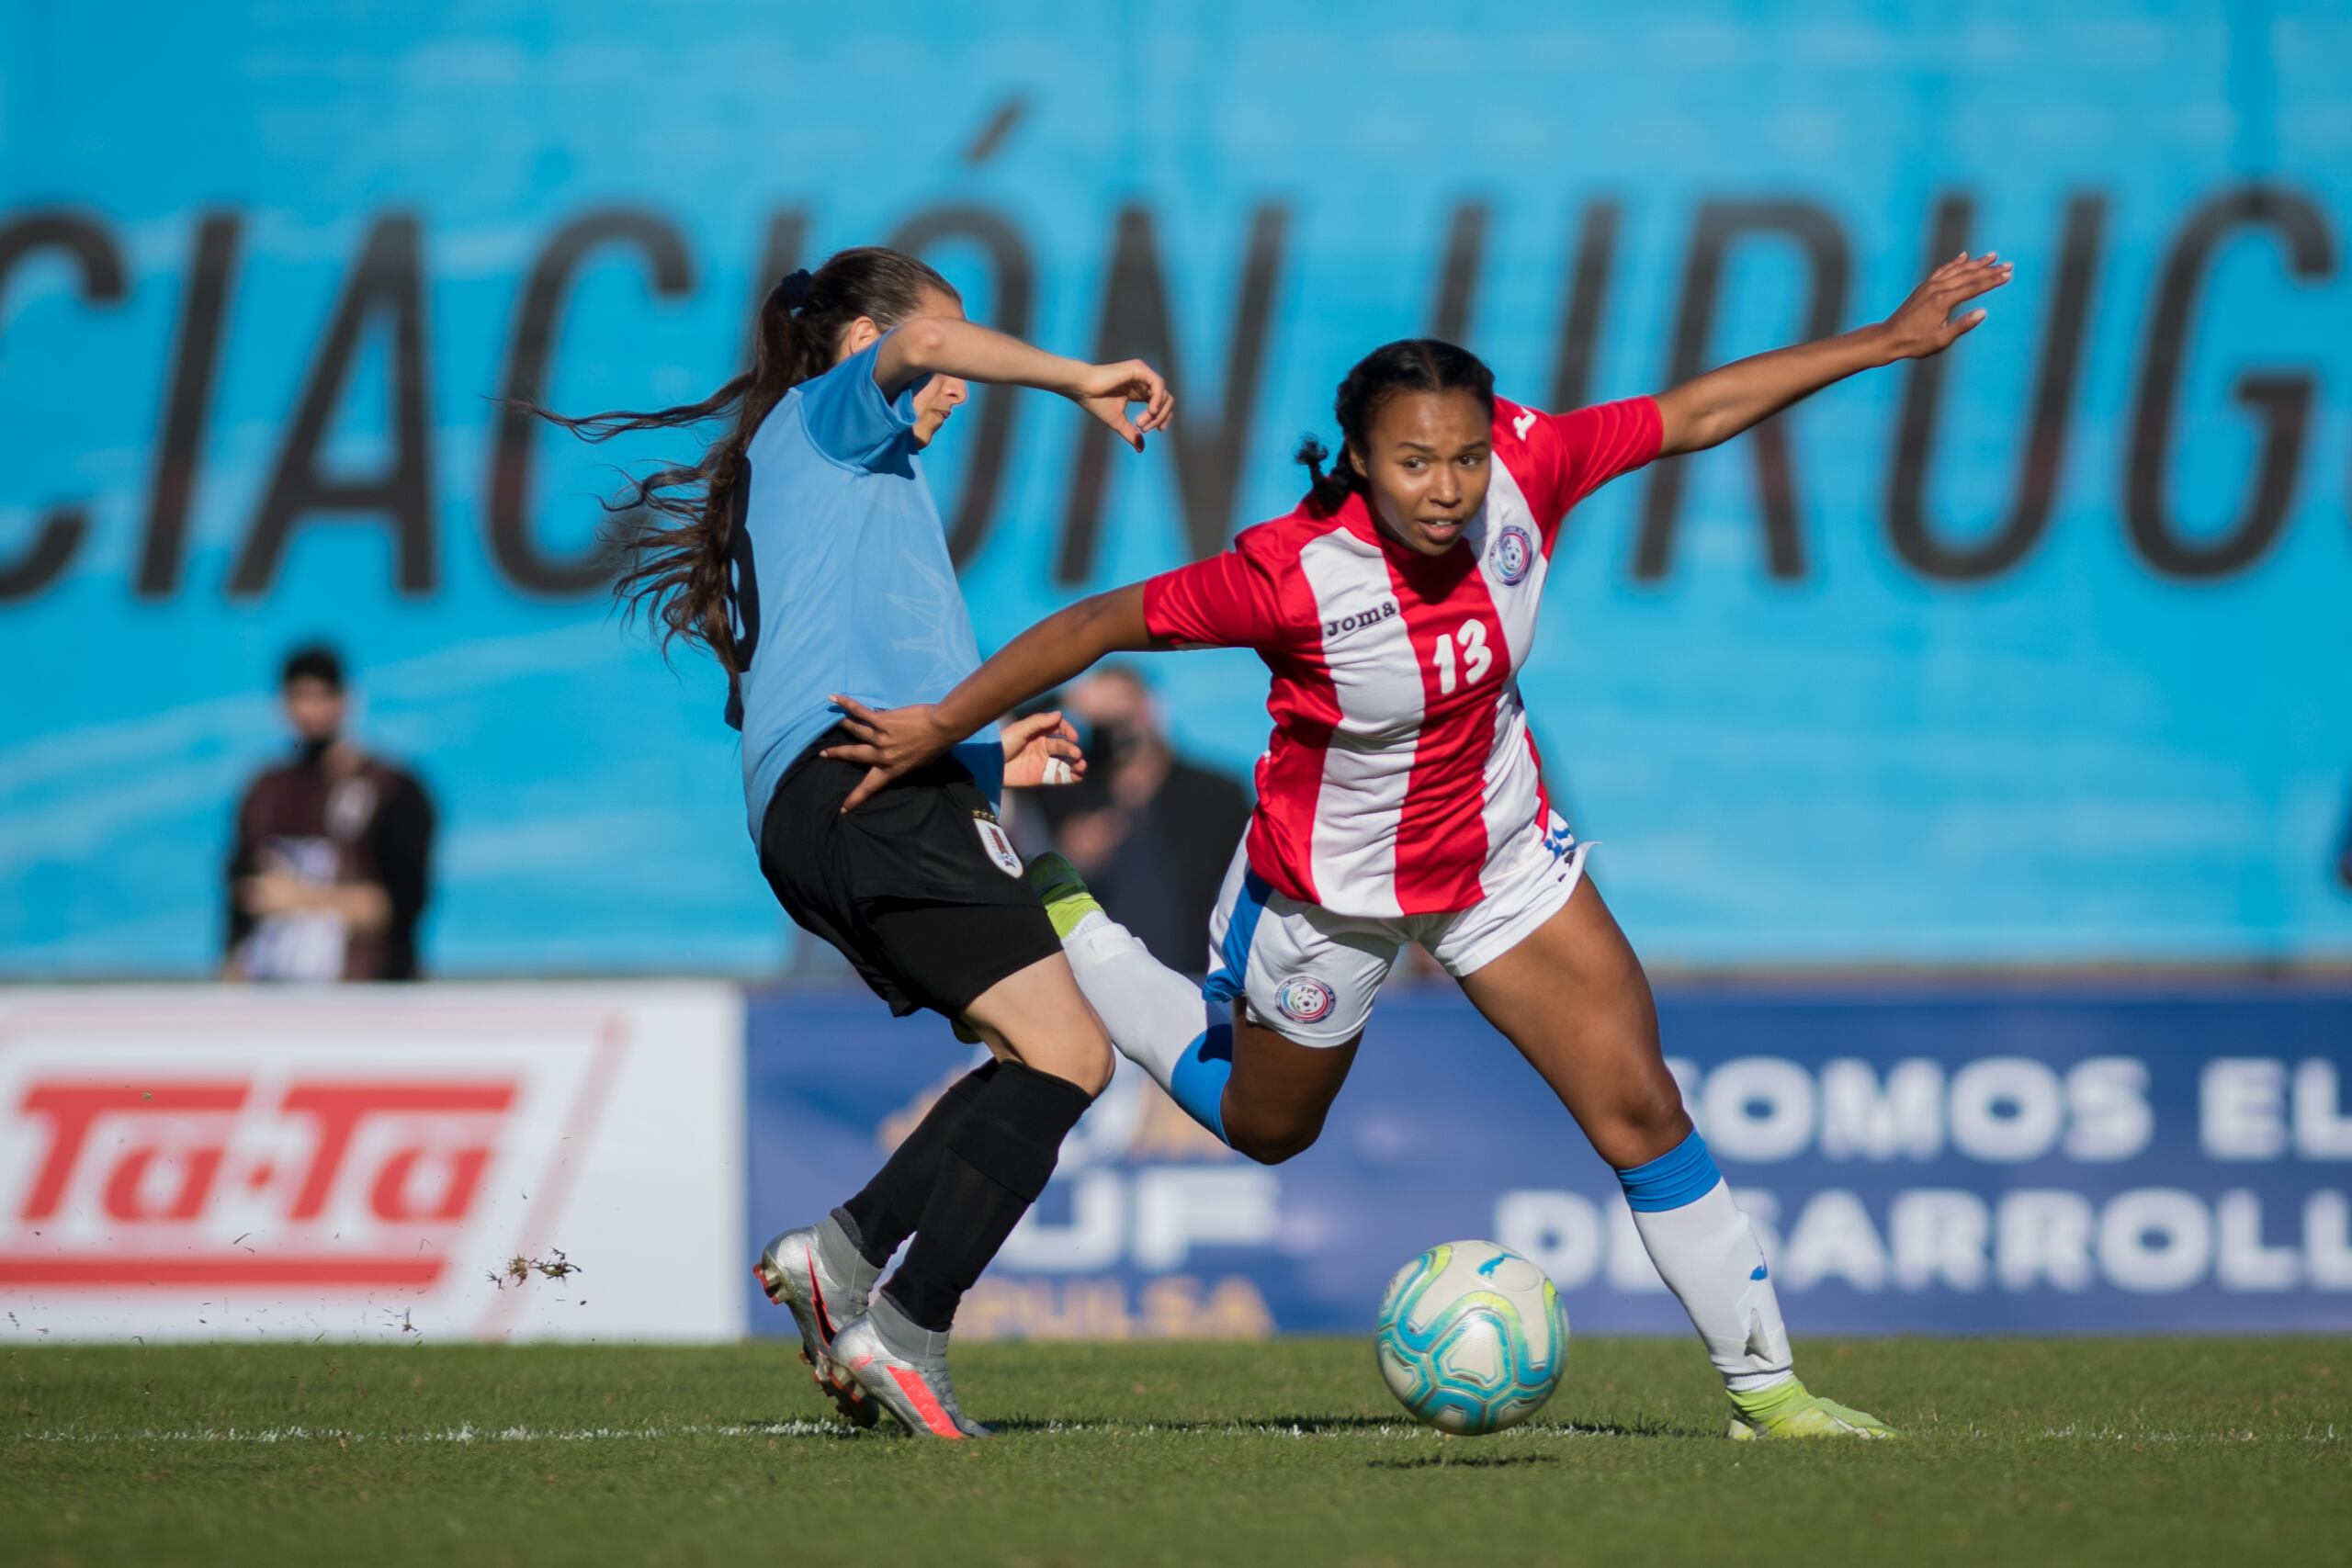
{"points": [[2200, 1450]]}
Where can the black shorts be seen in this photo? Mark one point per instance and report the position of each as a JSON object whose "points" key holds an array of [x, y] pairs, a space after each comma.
{"points": [[919, 888]]}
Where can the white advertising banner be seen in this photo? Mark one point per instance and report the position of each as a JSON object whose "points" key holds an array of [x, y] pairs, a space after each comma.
{"points": [[485, 1162]]}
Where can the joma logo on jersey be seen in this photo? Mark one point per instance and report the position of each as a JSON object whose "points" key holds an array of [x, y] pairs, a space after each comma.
{"points": [[353, 1181], [1384, 610]]}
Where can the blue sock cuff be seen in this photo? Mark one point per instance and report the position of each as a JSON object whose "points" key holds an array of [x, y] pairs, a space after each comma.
{"points": [[1684, 1174], [1197, 1081]]}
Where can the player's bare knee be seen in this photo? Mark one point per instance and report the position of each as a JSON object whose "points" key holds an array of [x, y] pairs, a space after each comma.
{"points": [[1092, 1068], [1077, 1056], [1273, 1140], [1269, 1150]]}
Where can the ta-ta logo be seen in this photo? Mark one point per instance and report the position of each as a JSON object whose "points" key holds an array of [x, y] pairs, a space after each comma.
{"points": [[357, 1183]]}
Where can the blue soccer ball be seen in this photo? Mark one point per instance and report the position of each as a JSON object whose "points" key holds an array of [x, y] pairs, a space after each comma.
{"points": [[1472, 1338]]}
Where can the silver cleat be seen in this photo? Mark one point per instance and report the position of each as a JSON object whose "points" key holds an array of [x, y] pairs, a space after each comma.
{"points": [[802, 1269], [903, 1368]]}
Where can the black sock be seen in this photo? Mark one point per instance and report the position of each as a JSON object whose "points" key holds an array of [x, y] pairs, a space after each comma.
{"points": [[999, 1157], [884, 1214]]}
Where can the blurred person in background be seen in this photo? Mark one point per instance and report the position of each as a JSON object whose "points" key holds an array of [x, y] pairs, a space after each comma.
{"points": [[329, 871], [1146, 829]]}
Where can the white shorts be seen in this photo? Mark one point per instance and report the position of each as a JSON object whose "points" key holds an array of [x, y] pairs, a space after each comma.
{"points": [[1310, 975]]}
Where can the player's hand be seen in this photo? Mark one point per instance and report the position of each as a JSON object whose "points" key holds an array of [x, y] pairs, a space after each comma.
{"points": [[1924, 324], [890, 742], [274, 892], [1106, 390], [1041, 749]]}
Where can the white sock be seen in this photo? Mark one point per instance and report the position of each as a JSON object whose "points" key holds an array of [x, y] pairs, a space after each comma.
{"points": [[1156, 1016], [1706, 1251], [1153, 1013]]}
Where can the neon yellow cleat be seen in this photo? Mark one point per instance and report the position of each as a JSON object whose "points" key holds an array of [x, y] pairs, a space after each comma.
{"points": [[1064, 891], [1787, 1410]]}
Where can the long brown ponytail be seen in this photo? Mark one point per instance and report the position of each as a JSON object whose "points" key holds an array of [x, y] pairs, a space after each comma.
{"points": [[675, 526]]}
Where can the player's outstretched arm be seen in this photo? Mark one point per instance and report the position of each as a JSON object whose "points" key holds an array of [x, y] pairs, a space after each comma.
{"points": [[1711, 409], [946, 345], [893, 741]]}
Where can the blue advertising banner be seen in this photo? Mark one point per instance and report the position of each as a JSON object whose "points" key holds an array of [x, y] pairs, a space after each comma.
{"points": [[2030, 654], [1993, 1160]]}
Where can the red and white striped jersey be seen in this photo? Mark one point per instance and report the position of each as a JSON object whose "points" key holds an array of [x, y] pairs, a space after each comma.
{"points": [[1401, 759]]}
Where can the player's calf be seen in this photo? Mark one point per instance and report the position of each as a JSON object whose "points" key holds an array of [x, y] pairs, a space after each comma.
{"points": [[1706, 1251]]}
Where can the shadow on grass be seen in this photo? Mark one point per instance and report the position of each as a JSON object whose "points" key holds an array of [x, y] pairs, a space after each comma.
{"points": [[1463, 1462], [1612, 1429], [1281, 1424]]}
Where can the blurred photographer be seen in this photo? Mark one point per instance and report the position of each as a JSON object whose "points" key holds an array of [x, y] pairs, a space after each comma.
{"points": [[329, 872], [1149, 831]]}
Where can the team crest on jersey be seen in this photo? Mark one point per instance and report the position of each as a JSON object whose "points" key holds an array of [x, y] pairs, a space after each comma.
{"points": [[1304, 1000], [1000, 848], [1511, 554]]}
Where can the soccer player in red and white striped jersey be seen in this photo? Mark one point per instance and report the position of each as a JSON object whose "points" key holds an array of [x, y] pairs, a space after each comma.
{"points": [[1400, 800], [1401, 763]]}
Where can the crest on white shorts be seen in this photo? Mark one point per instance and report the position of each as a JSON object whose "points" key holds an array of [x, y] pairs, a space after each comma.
{"points": [[1304, 1000], [1000, 848], [1558, 838], [1512, 553]]}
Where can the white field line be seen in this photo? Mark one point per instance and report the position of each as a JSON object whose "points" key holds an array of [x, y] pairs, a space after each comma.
{"points": [[2137, 1435], [469, 1433]]}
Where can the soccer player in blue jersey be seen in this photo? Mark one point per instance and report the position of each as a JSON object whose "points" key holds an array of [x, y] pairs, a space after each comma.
{"points": [[804, 551]]}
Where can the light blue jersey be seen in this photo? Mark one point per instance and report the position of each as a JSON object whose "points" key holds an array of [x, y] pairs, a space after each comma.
{"points": [[842, 576]]}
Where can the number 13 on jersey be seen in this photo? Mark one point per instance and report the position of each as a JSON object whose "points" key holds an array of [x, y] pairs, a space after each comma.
{"points": [[1462, 657]]}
